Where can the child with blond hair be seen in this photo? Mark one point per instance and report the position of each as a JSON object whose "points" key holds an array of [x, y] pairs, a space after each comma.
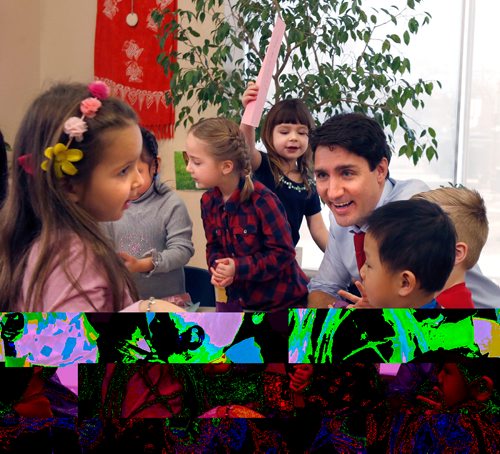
{"points": [[467, 210], [250, 250]]}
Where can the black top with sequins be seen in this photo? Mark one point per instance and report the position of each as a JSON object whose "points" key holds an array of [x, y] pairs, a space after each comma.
{"points": [[292, 195]]}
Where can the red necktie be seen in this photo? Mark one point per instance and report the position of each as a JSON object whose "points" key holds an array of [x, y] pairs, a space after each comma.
{"points": [[359, 240]]}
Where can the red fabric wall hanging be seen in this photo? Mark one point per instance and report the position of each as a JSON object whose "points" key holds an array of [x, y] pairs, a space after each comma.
{"points": [[125, 57]]}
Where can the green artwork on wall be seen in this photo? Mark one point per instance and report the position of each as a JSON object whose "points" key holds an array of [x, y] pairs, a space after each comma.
{"points": [[183, 180]]}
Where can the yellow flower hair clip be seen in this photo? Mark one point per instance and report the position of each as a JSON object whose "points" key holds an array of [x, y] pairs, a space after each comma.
{"points": [[63, 158]]}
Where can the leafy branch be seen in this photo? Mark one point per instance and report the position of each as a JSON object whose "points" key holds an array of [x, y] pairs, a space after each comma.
{"points": [[338, 55]]}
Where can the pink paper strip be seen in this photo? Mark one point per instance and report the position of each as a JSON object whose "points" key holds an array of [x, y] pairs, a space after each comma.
{"points": [[254, 109]]}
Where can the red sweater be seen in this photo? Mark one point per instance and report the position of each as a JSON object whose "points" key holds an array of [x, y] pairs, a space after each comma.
{"points": [[456, 297]]}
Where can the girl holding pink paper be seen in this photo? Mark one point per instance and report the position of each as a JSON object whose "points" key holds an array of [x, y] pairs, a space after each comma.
{"points": [[286, 168]]}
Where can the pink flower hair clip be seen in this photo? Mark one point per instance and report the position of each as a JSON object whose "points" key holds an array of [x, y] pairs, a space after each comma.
{"points": [[99, 89]]}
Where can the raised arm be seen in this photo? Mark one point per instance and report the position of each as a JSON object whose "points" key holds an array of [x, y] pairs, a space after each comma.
{"points": [[248, 131]]}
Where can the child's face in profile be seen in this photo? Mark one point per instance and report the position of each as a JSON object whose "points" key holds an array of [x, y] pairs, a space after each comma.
{"points": [[204, 169], [378, 281], [146, 171], [115, 180], [452, 385]]}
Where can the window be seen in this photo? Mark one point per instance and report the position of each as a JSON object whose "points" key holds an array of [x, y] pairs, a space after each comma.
{"points": [[455, 48]]}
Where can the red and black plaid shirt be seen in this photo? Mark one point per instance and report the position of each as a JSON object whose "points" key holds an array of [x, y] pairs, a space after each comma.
{"points": [[256, 234]]}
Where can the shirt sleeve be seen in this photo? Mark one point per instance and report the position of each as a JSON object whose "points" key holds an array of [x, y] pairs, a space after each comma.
{"points": [[178, 239], [60, 295], [276, 250], [214, 248], [485, 293], [332, 274], [313, 205], [264, 173]]}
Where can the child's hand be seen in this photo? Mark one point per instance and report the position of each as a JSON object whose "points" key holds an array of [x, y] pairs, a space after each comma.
{"points": [[135, 265], [301, 377], [129, 260], [250, 93], [358, 301], [224, 282], [225, 267], [223, 272]]}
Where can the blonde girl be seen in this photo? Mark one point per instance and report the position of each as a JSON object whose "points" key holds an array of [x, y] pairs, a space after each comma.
{"points": [[250, 250], [287, 167], [75, 164]]}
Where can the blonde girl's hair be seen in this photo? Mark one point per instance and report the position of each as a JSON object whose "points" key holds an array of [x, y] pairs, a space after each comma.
{"points": [[226, 142], [38, 208], [467, 210], [292, 111]]}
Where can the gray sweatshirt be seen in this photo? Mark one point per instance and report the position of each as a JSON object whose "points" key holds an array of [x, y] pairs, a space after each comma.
{"points": [[158, 226]]}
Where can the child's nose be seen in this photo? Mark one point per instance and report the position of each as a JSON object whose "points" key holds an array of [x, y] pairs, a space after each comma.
{"points": [[139, 179], [362, 272]]}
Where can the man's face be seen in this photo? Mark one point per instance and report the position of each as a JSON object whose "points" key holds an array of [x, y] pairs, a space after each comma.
{"points": [[347, 185]]}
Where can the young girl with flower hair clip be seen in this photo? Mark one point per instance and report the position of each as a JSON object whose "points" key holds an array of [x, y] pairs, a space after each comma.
{"points": [[75, 164]]}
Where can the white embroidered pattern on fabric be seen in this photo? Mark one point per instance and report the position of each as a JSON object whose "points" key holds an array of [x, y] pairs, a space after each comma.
{"points": [[133, 52], [163, 3], [151, 24], [110, 8], [133, 95]]}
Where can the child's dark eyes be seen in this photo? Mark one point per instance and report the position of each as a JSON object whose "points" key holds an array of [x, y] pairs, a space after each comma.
{"points": [[124, 171], [303, 132], [321, 175]]}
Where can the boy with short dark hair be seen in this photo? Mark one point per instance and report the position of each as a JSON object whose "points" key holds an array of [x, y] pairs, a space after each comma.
{"points": [[410, 252], [467, 210]]}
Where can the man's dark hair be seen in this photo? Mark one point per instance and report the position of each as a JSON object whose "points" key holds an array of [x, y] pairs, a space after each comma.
{"points": [[415, 235], [357, 133]]}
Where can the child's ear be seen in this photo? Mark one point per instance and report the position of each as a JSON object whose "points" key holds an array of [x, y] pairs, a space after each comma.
{"points": [[227, 167], [73, 190], [482, 388], [461, 250], [407, 283]]}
